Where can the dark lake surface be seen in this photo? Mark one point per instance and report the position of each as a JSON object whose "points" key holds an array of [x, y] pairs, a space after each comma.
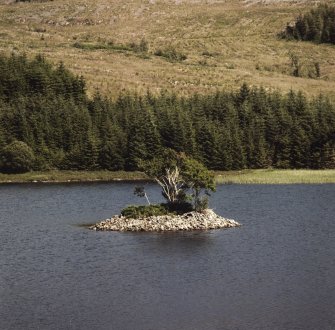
{"points": [[275, 272]]}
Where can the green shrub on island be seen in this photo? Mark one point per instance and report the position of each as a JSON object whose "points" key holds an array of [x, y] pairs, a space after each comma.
{"points": [[180, 207], [143, 211]]}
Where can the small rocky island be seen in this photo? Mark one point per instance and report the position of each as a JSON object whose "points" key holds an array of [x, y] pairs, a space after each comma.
{"points": [[185, 184], [207, 219]]}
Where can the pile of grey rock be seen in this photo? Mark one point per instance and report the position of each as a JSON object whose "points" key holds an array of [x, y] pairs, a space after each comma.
{"points": [[207, 219]]}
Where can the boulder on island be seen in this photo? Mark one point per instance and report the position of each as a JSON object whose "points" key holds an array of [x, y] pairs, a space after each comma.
{"points": [[207, 219]]}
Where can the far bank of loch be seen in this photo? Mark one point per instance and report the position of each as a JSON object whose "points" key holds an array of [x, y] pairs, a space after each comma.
{"points": [[260, 176]]}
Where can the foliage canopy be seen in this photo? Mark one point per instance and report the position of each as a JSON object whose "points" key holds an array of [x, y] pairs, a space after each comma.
{"points": [[178, 174]]}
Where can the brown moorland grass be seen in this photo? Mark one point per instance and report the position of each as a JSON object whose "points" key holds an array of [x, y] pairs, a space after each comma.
{"points": [[226, 43]]}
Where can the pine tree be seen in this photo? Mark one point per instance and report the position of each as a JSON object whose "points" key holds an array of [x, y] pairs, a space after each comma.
{"points": [[328, 154], [90, 152]]}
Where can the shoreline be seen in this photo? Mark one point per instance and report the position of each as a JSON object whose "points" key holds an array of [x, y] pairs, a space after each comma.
{"points": [[260, 176]]}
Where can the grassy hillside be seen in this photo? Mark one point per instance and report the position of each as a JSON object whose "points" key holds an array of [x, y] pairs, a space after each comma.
{"points": [[226, 43]]}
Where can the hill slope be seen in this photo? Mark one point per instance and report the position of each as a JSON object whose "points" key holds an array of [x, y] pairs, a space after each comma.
{"points": [[226, 43]]}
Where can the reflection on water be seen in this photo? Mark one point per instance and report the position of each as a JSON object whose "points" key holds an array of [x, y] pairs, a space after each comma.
{"points": [[275, 272]]}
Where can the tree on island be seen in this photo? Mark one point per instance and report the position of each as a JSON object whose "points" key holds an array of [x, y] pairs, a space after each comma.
{"points": [[185, 182], [199, 180]]}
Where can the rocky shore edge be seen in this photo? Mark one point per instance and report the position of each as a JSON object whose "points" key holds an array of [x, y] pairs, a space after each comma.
{"points": [[205, 220]]}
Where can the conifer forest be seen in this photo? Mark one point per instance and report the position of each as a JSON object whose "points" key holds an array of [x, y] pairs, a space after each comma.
{"points": [[47, 121]]}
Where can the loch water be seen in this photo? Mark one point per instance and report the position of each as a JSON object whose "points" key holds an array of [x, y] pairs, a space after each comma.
{"points": [[276, 272]]}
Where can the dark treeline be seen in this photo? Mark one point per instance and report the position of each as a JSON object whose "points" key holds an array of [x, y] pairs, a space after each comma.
{"points": [[47, 121], [317, 25]]}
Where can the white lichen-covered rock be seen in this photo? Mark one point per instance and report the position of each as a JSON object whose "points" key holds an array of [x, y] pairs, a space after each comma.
{"points": [[207, 219]]}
